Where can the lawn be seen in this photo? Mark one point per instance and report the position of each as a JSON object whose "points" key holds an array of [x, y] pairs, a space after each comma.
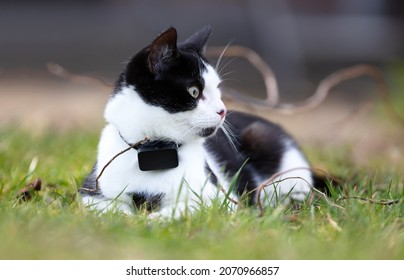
{"points": [[52, 224], [364, 219]]}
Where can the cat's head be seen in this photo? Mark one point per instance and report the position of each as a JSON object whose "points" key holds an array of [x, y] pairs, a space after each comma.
{"points": [[168, 91]]}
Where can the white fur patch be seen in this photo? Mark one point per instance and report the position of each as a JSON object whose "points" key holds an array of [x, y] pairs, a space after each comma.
{"points": [[294, 182]]}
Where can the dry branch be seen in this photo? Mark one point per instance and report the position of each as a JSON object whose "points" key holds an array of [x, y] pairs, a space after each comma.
{"points": [[271, 86], [133, 146], [334, 79], [266, 72], [320, 94], [272, 180], [381, 202], [25, 193], [61, 72]]}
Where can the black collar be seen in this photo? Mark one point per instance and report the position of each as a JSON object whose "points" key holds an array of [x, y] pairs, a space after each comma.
{"points": [[156, 155], [159, 143]]}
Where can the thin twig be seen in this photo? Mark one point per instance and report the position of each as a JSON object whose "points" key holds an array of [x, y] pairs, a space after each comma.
{"points": [[266, 72], [334, 79], [320, 94], [228, 198], [381, 202], [61, 72], [25, 193], [323, 195], [264, 185], [272, 181], [133, 146]]}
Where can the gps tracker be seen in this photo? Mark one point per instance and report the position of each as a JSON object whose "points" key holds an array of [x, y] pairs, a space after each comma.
{"points": [[157, 155]]}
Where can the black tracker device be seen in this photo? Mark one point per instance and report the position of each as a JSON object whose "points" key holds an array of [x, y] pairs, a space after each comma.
{"points": [[157, 155]]}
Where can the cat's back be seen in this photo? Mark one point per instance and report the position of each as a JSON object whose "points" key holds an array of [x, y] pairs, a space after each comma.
{"points": [[246, 135], [260, 147], [257, 150]]}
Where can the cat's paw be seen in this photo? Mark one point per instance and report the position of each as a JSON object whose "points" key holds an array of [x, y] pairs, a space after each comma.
{"points": [[103, 205], [282, 192], [169, 212], [300, 191]]}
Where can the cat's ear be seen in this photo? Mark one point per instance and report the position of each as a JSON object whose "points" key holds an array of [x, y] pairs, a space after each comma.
{"points": [[162, 50], [198, 40]]}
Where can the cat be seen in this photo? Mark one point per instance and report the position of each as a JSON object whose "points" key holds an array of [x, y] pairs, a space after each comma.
{"points": [[170, 94]]}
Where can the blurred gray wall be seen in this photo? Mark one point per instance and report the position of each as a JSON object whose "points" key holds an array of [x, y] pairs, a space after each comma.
{"points": [[298, 38]]}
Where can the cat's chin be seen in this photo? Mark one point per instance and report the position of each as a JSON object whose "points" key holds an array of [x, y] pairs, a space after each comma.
{"points": [[206, 132]]}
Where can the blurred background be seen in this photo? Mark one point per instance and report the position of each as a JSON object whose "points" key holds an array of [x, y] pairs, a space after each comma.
{"points": [[293, 36], [302, 40]]}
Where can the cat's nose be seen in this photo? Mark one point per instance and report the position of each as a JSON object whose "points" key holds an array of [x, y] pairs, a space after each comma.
{"points": [[222, 113]]}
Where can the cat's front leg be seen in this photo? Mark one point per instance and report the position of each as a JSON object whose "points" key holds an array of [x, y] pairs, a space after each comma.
{"points": [[172, 211]]}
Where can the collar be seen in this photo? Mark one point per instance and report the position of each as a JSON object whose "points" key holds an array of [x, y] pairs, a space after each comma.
{"points": [[156, 155], [157, 143]]}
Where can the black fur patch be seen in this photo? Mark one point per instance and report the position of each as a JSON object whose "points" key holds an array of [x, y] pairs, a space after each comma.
{"points": [[88, 187], [260, 145], [209, 173], [206, 132], [150, 202], [169, 89], [162, 72]]}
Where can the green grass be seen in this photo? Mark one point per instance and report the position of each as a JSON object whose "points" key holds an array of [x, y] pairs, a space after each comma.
{"points": [[54, 225]]}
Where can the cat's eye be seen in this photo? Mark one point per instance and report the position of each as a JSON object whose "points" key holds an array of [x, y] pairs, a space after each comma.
{"points": [[194, 91]]}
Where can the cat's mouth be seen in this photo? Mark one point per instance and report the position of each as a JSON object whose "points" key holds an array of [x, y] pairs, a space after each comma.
{"points": [[206, 132]]}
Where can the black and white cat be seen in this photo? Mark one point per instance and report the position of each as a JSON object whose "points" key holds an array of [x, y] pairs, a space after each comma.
{"points": [[170, 94]]}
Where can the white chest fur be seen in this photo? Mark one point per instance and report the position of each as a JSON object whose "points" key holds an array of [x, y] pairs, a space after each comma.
{"points": [[123, 175]]}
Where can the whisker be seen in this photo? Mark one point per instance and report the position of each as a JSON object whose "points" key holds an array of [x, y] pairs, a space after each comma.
{"points": [[187, 130], [227, 73], [219, 60], [232, 131], [226, 64], [227, 131]]}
